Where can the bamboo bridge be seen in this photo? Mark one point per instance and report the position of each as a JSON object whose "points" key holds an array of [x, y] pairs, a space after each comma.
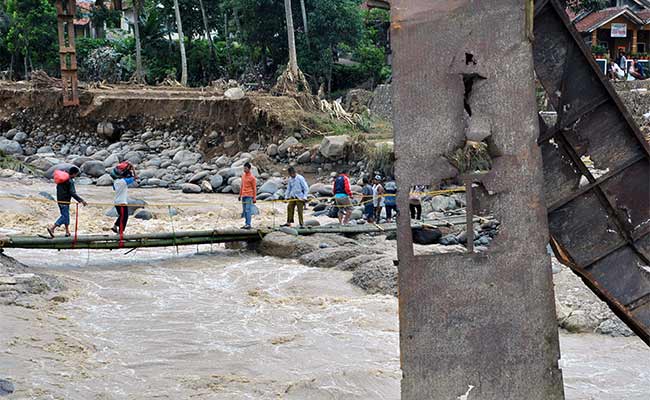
{"points": [[183, 238]]}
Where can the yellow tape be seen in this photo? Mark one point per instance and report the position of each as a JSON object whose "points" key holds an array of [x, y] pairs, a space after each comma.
{"points": [[179, 205]]}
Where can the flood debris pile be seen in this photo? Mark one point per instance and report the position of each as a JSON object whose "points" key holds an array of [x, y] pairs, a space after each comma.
{"points": [[21, 287]]}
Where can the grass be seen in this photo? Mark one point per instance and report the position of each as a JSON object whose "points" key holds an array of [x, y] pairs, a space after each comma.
{"points": [[9, 162]]}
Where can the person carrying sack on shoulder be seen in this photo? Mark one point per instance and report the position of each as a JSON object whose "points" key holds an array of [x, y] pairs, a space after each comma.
{"points": [[343, 197], [297, 190], [123, 175], [248, 195], [65, 192]]}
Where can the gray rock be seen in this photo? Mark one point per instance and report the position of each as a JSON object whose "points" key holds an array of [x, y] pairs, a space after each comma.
{"points": [[271, 186], [147, 173], [289, 231], [190, 188], [11, 133], [333, 147], [111, 160], [357, 213], [198, 177], [45, 163], [90, 150], [93, 168], [234, 94], [44, 150], [186, 156], [278, 244], [236, 185], [104, 180], [83, 181], [21, 137], [157, 182], [377, 275], [272, 150], [580, 321], [206, 187], [448, 240], [79, 161], [133, 157], [284, 147], [10, 147], [332, 256], [226, 189], [62, 166], [304, 158], [101, 155], [143, 215], [321, 190], [6, 387], [312, 223], [216, 181], [443, 203]]}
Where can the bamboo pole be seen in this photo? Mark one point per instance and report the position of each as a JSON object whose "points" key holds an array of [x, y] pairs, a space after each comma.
{"points": [[163, 239]]}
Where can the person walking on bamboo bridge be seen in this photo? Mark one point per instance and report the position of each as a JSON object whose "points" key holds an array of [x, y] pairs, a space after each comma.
{"points": [[248, 194], [297, 190], [123, 175], [65, 192], [343, 197]]}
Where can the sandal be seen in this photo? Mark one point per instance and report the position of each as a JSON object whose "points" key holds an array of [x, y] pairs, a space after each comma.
{"points": [[51, 232]]}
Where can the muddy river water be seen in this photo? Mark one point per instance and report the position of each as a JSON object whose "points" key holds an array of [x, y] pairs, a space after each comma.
{"points": [[154, 324]]}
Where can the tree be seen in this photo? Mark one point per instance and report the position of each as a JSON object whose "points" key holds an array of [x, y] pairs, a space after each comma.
{"points": [[304, 20], [579, 6], [208, 36], [293, 59], [32, 34], [139, 71], [181, 43]]}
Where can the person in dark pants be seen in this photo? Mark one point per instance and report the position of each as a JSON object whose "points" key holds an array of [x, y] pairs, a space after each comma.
{"points": [[65, 192], [415, 202], [390, 200], [121, 186], [296, 193]]}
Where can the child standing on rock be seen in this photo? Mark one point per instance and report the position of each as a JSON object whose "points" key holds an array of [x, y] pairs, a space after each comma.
{"points": [[65, 192], [123, 175]]}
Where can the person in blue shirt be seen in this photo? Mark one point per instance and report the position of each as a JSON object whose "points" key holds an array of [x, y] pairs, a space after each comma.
{"points": [[390, 200], [297, 191]]}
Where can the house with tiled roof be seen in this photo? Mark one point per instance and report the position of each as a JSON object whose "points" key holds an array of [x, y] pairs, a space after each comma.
{"points": [[624, 25]]}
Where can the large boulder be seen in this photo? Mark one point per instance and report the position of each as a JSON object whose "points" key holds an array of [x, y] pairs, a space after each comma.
{"points": [[20, 137], [271, 186], [284, 147], [304, 158], [331, 257], [272, 150], [279, 244], [321, 189], [93, 168], [235, 93], [333, 147], [44, 163], [61, 166], [443, 203], [199, 176], [104, 180], [235, 184], [186, 156], [426, 235], [190, 188], [378, 276], [216, 181], [10, 147]]}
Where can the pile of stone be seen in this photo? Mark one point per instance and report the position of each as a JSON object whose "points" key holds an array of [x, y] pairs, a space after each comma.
{"points": [[169, 159]]}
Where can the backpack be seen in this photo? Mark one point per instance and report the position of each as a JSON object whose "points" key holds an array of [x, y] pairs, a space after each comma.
{"points": [[339, 185], [121, 170], [61, 176]]}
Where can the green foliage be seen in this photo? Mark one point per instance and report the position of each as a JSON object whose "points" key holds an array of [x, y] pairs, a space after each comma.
{"points": [[248, 35], [598, 49], [587, 5], [31, 33]]}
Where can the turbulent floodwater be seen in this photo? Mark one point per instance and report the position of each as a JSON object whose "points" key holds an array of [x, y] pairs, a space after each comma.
{"points": [[228, 325]]}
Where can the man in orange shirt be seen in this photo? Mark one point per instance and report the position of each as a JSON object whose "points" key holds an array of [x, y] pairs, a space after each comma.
{"points": [[248, 194]]}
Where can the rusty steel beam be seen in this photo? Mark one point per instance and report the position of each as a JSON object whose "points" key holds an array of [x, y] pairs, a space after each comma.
{"points": [[601, 227], [66, 10], [483, 322]]}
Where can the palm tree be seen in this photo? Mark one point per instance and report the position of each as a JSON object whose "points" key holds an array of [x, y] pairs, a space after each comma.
{"points": [[207, 31], [304, 20], [293, 59], [181, 42], [139, 72]]}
